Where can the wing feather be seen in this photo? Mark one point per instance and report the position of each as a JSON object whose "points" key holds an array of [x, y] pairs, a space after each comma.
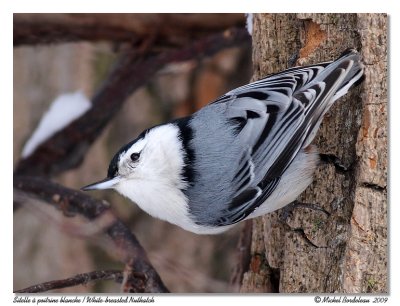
{"points": [[285, 112]]}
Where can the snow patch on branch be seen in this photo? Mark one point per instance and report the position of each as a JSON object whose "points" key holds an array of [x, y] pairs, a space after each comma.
{"points": [[64, 109]]}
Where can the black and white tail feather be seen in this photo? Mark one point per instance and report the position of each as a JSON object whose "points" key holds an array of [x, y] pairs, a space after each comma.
{"points": [[276, 117]]}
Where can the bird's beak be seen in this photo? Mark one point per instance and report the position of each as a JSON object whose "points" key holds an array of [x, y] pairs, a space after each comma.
{"points": [[107, 183]]}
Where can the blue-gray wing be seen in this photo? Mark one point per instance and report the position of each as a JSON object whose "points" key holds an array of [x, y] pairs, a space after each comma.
{"points": [[274, 118]]}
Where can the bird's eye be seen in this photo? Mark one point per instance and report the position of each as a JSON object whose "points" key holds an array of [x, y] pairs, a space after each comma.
{"points": [[135, 156]]}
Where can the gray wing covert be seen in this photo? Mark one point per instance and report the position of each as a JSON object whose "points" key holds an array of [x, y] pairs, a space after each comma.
{"points": [[269, 122]]}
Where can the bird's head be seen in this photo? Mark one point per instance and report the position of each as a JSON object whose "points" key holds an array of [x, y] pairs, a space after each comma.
{"points": [[154, 158]]}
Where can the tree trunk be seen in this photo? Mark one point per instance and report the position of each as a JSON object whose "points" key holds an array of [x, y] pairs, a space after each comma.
{"points": [[342, 248]]}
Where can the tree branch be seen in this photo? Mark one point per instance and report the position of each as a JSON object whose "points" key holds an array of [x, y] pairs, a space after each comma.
{"points": [[141, 275], [66, 149], [170, 29], [79, 279]]}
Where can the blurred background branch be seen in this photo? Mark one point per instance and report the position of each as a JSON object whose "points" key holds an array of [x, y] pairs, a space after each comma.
{"points": [[77, 280], [163, 66], [142, 276], [168, 30], [67, 148]]}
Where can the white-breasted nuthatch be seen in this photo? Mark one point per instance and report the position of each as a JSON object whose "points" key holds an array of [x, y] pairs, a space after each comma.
{"points": [[246, 154]]}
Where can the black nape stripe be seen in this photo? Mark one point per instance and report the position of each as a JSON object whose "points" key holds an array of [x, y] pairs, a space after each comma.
{"points": [[186, 135]]}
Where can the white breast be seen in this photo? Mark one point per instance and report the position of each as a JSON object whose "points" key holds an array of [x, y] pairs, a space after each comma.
{"points": [[297, 177]]}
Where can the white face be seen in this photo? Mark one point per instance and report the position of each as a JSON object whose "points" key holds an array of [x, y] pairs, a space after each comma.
{"points": [[134, 158], [157, 158], [153, 180]]}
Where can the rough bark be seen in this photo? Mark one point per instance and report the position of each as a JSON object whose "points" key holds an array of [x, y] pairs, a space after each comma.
{"points": [[343, 247]]}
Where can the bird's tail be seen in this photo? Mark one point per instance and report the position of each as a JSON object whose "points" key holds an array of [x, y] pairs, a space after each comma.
{"points": [[335, 79], [350, 60]]}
